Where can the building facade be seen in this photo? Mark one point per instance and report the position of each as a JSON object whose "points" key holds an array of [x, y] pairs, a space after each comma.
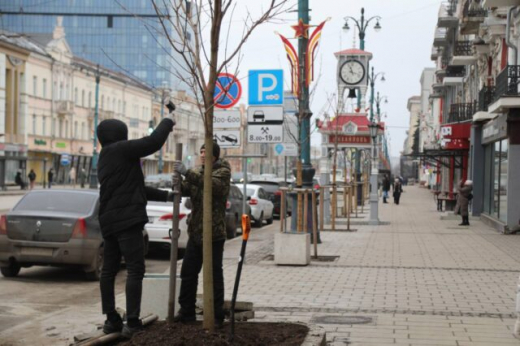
{"points": [[475, 105], [123, 36]]}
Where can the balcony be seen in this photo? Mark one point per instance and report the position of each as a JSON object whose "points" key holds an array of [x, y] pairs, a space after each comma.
{"points": [[473, 14], [463, 54], [64, 107], [435, 54], [485, 97], [460, 112], [102, 114], [447, 17], [500, 3], [441, 38], [454, 75], [506, 90]]}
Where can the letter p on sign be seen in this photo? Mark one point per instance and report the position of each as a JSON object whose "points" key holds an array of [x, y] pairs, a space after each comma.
{"points": [[266, 87]]}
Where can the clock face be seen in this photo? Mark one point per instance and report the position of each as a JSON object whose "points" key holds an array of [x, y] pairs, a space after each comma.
{"points": [[352, 72]]}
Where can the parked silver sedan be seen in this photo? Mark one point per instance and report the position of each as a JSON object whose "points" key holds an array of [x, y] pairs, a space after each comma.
{"points": [[53, 227]]}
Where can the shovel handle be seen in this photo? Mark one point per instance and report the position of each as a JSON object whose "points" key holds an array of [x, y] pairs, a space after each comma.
{"points": [[246, 226]]}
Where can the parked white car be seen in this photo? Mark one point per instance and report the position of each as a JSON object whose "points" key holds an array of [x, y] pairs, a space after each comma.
{"points": [[160, 223], [261, 206]]}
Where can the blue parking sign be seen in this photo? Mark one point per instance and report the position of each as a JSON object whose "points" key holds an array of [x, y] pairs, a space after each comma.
{"points": [[266, 87]]}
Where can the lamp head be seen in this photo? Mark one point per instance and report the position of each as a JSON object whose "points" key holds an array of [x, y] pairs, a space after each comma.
{"points": [[346, 27], [377, 27]]}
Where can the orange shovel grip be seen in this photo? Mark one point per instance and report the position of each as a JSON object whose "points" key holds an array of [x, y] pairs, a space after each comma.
{"points": [[246, 226]]}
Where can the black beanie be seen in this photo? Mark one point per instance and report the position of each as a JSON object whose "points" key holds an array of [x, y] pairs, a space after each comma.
{"points": [[216, 150]]}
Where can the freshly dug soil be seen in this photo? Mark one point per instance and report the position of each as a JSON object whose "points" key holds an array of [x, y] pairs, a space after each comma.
{"points": [[246, 334]]}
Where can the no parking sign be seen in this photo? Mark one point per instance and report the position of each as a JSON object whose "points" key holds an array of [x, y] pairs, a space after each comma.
{"points": [[227, 91]]}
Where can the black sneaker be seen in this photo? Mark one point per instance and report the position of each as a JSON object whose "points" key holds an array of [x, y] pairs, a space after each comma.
{"points": [[129, 331], [112, 326], [182, 318]]}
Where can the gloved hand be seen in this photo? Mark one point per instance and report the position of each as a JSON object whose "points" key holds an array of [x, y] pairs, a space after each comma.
{"points": [[179, 167], [171, 117]]}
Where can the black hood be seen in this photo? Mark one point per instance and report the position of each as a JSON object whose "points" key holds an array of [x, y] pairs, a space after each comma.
{"points": [[111, 130]]}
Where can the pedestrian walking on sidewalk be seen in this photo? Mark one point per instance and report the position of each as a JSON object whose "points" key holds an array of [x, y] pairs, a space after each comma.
{"points": [[193, 187], [50, 176], [463, 198], [18, 180], [398, 190], [386, 187], [122, 215], [32, 178], [82, 177], [72, 177]]}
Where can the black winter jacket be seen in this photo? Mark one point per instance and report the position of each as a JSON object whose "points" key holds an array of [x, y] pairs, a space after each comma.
{"points": [[123, 195]]}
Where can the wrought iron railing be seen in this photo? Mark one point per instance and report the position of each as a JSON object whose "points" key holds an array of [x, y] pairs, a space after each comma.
{"points": [[463, 48], [474, 9], [507, 82], [460, 112], [455, 71], [485, 97]]}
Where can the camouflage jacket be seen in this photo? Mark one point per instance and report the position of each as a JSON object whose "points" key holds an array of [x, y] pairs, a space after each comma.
{"points": [[193, 187]]}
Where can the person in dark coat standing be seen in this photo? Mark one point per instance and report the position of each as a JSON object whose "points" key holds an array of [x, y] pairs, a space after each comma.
{"points": [[122, 215], [18, 180], [386, 187], [193, 187], [398, 190], [82, 177], [50, 176], [32, 178], [463, 198]]}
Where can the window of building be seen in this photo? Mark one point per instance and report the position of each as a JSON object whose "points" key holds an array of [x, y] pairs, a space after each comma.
{"points": [[75, 129], [113, 105], [76, 96], [102, 102], [82, 130], [35, 86], [62, 91], [44, 88], [90, 99], [43, 126], [108, 104], [34, 124], [67, 92], [124, 107], [60, 129], [495, 179], [66, 129], [82, 98], [119, 106], [53, 127]]}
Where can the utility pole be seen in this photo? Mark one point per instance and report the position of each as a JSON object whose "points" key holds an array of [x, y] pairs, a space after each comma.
{"points": [[93, 167]]}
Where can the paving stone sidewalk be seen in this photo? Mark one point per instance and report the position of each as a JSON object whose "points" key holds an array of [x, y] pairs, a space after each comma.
{"points": [[416, 280]]}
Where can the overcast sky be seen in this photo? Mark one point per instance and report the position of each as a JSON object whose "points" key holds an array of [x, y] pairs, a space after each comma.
{"points": [[401, 49]]}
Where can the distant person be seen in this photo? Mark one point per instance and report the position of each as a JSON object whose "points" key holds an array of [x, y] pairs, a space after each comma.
{"points": [[386, 187], [463, 198], [50, 177], [32, 179], [82, 177], [72, 177], [18, 180], [398, 190], [122, 215]]}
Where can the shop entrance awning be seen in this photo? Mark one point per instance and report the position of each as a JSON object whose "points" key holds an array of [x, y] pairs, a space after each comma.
{"points": [[436, 156]]}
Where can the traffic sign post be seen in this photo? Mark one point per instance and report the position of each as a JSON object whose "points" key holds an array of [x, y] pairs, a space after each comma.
{"points": [[227, 138], [265, 87], [227, 91]]}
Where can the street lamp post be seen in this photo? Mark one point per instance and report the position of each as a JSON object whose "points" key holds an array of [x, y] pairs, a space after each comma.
{"points": [[362, 25], [374, 200], [93, 168], [372, 79]]}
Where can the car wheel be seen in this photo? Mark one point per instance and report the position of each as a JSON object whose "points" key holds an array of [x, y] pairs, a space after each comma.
{"points": [[11, 270], [270, 220], [95, 275], [260, 222], [232, 229]]}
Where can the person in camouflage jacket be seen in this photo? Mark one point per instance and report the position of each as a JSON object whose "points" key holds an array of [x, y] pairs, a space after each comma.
{"points": [[193, 187]]}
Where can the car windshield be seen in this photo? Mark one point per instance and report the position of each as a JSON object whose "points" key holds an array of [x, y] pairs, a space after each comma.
{"points": [[269, 187], [68, 202]]}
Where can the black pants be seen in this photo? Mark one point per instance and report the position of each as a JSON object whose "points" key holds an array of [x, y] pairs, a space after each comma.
{"points": [[191, 266], [397, 197], [129, 244]]}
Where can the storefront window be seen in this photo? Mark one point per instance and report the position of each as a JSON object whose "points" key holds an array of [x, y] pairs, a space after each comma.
{"points": [[496, 179], [503, 180], [488, 176]]}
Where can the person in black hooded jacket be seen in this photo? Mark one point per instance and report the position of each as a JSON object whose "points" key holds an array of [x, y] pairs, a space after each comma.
{"points": [[122, 214]]}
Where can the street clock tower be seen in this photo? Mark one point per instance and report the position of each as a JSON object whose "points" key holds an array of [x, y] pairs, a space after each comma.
{"points": [[352, 73]]}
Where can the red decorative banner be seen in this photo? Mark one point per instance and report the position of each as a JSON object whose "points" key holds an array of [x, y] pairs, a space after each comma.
{"points": [[343, 139]]}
